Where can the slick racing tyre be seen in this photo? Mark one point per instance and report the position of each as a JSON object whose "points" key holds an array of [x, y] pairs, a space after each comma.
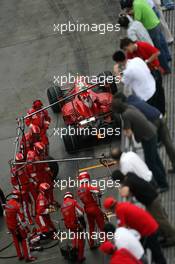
{"points": [[2, 201], [54, 167], [54, 93], [71, 143]]}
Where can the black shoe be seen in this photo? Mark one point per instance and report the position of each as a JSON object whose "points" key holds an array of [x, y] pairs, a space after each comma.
{"points": [[163, 189], [81, 260], [171, 171], [36, 248], [30, 259], [168, 243], [167, 72], [170, 43]]}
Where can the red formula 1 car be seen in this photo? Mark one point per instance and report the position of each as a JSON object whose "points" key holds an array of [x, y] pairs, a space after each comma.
{"points": [[86, 111]]}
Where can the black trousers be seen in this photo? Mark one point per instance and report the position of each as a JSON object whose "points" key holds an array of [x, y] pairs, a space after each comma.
{"points": [[158, 99], [165, 138], [154, 162], [153, 244]]}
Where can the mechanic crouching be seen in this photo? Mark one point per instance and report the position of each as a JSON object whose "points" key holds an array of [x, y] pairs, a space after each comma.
{"points": [[17, 226], [43, 210], [73, 216]]}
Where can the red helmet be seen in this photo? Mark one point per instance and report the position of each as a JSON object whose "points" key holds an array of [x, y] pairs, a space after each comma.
{"points": [[68, 195], [44, 187], [19, 157], [31, 155], [84, 177], [37, 104], [33, 129], [39, 147], [107, 247], [109, 202]]}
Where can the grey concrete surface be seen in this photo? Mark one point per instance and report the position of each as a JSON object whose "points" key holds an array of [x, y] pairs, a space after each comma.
{"points": [[31, 54]]}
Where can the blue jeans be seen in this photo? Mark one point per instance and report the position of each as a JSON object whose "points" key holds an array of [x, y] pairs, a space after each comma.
{"points": [[160, 43]]}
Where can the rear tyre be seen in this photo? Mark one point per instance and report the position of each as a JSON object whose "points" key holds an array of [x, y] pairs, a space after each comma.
{"points": [[70, 143], [53, 94], [2, 201], [54, 167]]}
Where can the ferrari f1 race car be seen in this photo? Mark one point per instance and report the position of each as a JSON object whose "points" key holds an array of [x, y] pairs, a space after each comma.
{"points": [[86, 111]]}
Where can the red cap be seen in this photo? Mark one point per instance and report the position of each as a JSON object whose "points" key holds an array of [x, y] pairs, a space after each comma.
{"points": [[107, 248], [109, 202], [37, 104]]}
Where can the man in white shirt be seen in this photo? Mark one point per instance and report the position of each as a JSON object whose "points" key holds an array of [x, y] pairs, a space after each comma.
{"points": [[131, 162], [126, 238], [135, 29], [135, 75]]}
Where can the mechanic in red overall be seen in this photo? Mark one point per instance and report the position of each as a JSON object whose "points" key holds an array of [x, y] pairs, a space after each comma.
{"points": [[33, 177], [29, 138], [20, 181], [121, 256], [88, 196], [42, 119], [44, 173], [74, 221], [134, 217], [43, 210], [17, 226]]}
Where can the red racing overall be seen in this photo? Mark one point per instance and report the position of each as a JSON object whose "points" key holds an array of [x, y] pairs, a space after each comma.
{"points": [[92, 210], [70, 210]]}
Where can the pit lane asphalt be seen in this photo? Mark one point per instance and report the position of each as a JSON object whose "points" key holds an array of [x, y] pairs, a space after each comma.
{"points": [[31, 54]]}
